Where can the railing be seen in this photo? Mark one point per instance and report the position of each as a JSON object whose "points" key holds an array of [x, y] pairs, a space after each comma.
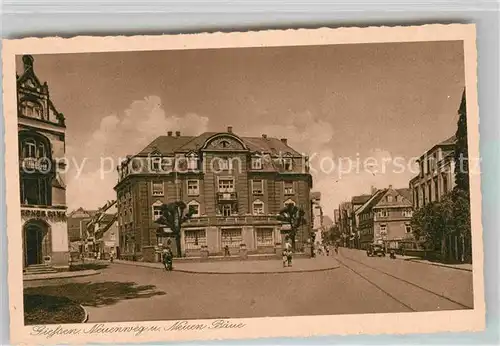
{"points": [[232, 220], [227, 196]]}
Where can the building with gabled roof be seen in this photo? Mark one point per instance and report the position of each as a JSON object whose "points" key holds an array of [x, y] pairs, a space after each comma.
{"points": [[235, 186], [42, 138], [385, 218]]}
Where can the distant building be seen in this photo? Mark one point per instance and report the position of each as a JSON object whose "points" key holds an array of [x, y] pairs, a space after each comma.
{"points": [[42, 138], [235, 185], [102, 232], [345, 224], [357, 202], [77, 230], [385, 218], [317, 216], [336, 216]]}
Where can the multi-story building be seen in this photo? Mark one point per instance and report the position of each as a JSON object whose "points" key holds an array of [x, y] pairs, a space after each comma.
{"points": [[345, 224], [235, 186], [436, 179], [357, 202], [385, 218], [317, 217], [102, 236], [42, 138], [436, 176]]}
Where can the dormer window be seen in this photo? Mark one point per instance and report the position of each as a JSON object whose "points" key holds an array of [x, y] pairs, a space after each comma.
{"points": [[31, 109], [192, 162], [224, 144], [256, 163], [288, 163], [389, 199], [155, 163]]}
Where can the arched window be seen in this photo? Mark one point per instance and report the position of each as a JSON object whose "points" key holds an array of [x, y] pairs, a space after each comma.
{"points": [[29, 148], [289, 201], [34, 145], [194, 207]]}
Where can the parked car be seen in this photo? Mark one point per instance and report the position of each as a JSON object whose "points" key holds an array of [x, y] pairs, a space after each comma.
{"points": [[375, 250]]}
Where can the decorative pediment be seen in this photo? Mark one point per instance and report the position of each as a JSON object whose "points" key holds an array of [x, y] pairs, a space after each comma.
{"points": [[224, 142]]}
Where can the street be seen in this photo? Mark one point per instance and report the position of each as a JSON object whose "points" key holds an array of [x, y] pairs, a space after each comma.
{"points": [[360, 285]]}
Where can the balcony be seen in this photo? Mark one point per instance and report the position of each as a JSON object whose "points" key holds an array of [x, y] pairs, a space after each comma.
{"points": [[227, 196], [232, 220]]}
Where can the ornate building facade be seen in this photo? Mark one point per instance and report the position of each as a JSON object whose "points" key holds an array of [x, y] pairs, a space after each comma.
{"points": [[41, 133], [235, 185]]}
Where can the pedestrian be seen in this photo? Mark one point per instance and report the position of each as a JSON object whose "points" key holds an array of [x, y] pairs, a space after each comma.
{"points": [[167, 258], [327, 249], [226, 251]]}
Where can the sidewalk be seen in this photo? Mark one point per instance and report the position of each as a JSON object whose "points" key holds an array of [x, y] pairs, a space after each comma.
{"points": [[320, 263], [459, 266], [61, 275]]}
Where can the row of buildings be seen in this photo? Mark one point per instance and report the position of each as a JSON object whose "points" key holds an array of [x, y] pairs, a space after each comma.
{"points": [[384, 215]]}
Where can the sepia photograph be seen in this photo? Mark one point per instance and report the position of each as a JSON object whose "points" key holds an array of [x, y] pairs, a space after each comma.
{"points": [[228, 183]]}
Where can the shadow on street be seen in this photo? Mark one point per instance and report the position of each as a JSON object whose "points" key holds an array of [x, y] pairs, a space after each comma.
{"points": [[96, 293]]}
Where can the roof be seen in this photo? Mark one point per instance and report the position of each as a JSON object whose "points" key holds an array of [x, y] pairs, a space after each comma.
{"points": [[377, 196], [315, 195], [361, 199], [169, 145], [406, 193], [448, 141]]}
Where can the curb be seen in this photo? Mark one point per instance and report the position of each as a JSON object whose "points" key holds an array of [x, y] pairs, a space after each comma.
{"points": [[441, 265], [86, 317], [32, 278], [237, 273]]}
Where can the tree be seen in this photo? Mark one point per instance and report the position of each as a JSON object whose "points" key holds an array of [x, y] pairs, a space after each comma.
{"points": [[294, 217], [461, 149], [173, 215], [334, 234], [433, 222]]}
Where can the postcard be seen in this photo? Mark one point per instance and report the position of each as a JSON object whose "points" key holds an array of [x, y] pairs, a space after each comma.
{"points": [[243, 185]]}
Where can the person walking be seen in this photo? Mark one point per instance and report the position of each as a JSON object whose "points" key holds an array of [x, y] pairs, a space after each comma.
{"points": [[167, 258]]}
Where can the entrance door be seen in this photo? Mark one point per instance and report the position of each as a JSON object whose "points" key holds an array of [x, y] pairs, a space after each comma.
{"points": [[34, 237]]}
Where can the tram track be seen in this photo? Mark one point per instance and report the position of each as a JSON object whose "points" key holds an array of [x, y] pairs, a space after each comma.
{"points": [[410, 295]]}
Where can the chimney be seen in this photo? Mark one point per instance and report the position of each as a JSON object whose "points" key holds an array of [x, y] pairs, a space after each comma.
{"points": [[264, 136], [284, 141], [177, 133], [373, 190], [230, 129], [390, 187], [169, 133]]}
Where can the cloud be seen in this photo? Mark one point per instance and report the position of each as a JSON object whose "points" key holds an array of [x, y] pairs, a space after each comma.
{"points": [[118, 135], [337, 177]]}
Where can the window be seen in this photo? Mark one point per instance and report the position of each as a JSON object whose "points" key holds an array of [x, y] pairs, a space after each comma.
{"points": [[258, 207], [264, 237], [227, 210], [383, 213], [257, 187], [192, 162], [34, 191], [29, 148], [257, 163], [155, 163], [289, 201], [231, 237], [226, 185], [194, 207], [416, 197], [288, 187], [112, 236], [195, 239], [31, 109], [167, 164], [223, 163], [288, 163], [383, 229], [224, 144], [193, 187], [436, 190], [407, 213], [389, 199], [429, 191], [445, 183], [158, 188], [408, 228]]}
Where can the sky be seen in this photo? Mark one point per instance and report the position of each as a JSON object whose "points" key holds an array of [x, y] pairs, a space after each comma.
{"points": [[334, 103]]}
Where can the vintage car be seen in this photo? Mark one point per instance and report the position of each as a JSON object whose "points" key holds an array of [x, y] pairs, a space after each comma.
{"points": [[375, 250]]}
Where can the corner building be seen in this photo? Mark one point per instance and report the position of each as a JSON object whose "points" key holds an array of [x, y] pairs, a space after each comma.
{"points": [[42, 142], [236, 186]]}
